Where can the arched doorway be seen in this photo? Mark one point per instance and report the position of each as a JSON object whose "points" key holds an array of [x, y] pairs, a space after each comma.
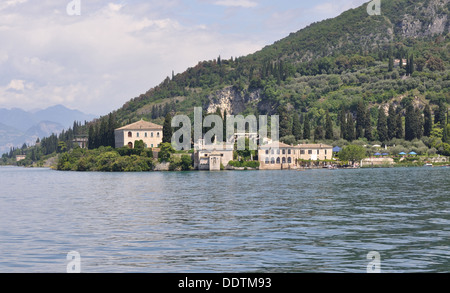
{"points": [[130, 145]]}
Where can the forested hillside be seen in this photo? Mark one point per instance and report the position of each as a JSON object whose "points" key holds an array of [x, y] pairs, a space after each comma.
{"points": [[356, 76]]}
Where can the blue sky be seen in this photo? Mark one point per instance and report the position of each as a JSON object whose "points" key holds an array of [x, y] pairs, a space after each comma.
{"points": [[116, 50]]}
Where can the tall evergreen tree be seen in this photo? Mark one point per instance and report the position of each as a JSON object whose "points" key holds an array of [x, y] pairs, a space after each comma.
{"points": [[382, 125], [399, 128], [360, 119], [391, 122], [328, 127], [412, 123], [368, 127], [350, 128], [167, 129], [296, 126], [428, 122], [285, 121], [318, 132], [306, 127], [91, 138], [342, 122], [439, 115]]}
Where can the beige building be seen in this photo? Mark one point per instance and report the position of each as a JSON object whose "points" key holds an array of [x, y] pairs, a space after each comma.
{"points": [[276, 156], [209, 157], [151, 134]]}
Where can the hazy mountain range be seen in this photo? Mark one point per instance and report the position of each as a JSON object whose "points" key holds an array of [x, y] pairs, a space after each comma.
{"points": [[18, 126]]}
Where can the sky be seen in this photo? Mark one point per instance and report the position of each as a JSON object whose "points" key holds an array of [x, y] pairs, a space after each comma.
{"points": [[95, 55]]}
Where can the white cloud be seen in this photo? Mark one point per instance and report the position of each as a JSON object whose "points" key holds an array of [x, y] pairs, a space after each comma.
{"points": [[98, 61], [11, 3], [237, 3], [16, 84]]}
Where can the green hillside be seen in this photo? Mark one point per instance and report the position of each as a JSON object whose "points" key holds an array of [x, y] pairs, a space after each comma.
{"points": [[339, 60], [376, 78]]}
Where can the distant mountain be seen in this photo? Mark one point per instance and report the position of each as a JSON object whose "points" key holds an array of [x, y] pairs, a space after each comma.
{"points": [[18, 126]]}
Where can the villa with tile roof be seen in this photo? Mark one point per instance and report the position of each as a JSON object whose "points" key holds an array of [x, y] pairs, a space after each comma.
{"points": [[150, 133], [276, 156]]}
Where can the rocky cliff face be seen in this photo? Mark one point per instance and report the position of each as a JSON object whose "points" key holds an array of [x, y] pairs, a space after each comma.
{"points": [[426, 20], [234, 101]]}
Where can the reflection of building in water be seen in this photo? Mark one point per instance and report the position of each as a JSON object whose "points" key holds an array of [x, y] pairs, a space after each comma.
{"points": [[210, 157]]}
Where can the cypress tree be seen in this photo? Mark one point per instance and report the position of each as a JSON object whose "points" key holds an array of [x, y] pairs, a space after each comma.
{"points": [[296, 126], [419, 123], [410, 122], [225, 125], [306, 128], [91, 139], [350, 128], [328, 127], [342, 123], [368, 132], [318, 132], [360, 119], [428, 122], [382, 125], [285, 121], [439, 116], [399, 128], [411, 64], [391, 122], [167, 129]]}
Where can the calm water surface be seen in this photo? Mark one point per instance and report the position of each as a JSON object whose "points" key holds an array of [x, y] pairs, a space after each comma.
{"points": [[231, 221]]}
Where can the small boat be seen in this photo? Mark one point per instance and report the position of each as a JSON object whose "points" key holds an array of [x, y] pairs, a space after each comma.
{"points": [[428, 165]]}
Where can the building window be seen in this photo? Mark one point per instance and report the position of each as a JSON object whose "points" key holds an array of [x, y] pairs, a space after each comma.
{"points": [[289, 160], [145, 134], [278, 160], [284, 160], [157, 134], [267, 160], [152, 145], [137, 134], [272, 152], [302, 152], [130, 134], [278, 151], [289, 151], [151, 134], [325, 152], [272, 161], [267, 152], [318, 151], [284, 151], [309, 152]]}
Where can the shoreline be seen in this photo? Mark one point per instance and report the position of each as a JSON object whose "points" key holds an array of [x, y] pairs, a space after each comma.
{"points": [[230, 168]]}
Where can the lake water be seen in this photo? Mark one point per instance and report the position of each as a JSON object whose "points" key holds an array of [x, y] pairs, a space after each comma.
{"points": [[230, 221]]}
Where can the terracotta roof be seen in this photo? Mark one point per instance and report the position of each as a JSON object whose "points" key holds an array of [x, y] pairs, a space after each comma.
{"points": [[300, 146], [141, 125], [277, 145], [314, 146]]}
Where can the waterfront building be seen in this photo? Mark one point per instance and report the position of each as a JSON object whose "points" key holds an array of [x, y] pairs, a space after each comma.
{"points": [[150, 133], [276, 156], [211, 156]]}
